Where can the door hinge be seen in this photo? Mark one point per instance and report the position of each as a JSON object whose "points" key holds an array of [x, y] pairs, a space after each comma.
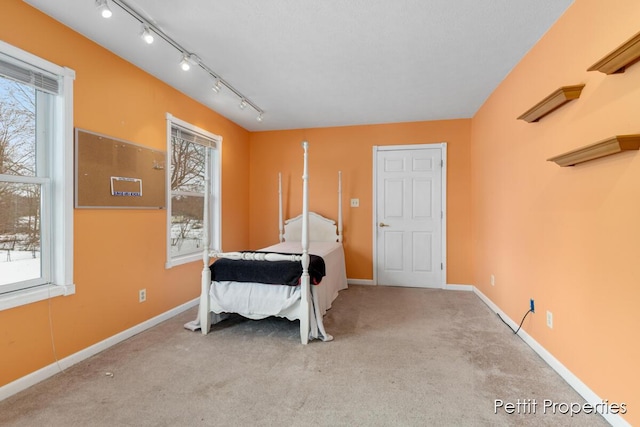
{"points": [[441, 214], [441, 163], [441, 266]]}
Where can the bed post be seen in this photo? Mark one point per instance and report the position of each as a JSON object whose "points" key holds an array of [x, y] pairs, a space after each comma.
{"points": [[204, 311], [280, 224], [304, 281], [340, 206]]}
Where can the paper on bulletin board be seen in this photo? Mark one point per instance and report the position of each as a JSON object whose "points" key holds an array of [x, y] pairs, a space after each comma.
{"points": [[126, 187]]}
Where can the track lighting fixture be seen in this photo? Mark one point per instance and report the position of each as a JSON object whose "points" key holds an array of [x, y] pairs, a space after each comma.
{"points": [[146, 35], [103, 7], [184, 64], [217, 86], [150, 31], [188, 61]]}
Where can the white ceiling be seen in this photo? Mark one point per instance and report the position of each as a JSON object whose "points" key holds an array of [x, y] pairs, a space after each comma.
{"points": [[320, 63]]}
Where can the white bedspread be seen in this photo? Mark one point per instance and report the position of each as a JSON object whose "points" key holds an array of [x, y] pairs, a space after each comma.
{"points": [[258, 300]]}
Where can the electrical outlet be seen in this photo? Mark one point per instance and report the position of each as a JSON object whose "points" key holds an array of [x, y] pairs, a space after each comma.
{"points": [[355, 203], [532, 306], [142, 295], [493, 280], [549, 319]]}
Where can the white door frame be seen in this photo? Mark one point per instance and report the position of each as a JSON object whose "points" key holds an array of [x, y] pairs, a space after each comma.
{"points": [[443, 244]]}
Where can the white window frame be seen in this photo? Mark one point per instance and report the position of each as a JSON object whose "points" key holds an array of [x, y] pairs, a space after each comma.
{"points": [[214, 171], [58, 193]]}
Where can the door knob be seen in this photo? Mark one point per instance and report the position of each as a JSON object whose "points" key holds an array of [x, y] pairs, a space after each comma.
{"points": [[382, 224]]}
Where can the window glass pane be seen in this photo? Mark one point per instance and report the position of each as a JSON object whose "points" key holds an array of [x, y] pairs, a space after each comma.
{"points": [[192, 152], [19, 232], [17, 128], [187, 166], [186, 224]]}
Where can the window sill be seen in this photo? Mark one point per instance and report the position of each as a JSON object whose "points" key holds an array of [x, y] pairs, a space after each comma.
{"points": [[31, 295], [184, 259]]}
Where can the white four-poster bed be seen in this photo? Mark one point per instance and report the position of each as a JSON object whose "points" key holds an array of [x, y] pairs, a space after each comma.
{"points": [[308, 241]]}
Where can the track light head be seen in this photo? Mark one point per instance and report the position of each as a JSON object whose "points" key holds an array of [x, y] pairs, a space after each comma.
{"points": [[217, 86], [103, 7], [243, 104], [187, 61], [184, 64], [260, 118], [146, 35]]}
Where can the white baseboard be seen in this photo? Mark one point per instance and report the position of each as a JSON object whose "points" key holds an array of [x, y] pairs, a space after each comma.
{"points": [[449, 287], [367, 282], [55, 368], [566, 374], [454, 287]]}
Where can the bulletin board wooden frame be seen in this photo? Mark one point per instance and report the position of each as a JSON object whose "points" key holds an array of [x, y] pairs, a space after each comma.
{"points": [[111, 173]]}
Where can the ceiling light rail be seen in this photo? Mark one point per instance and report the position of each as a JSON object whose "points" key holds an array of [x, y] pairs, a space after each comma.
{"points": [[188, 59]]}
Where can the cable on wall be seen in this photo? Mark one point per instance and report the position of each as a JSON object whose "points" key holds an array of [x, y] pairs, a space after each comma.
{"points": [[189, 59]]}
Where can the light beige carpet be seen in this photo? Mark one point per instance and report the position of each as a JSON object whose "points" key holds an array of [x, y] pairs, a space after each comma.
{"points": [[401, 357]]}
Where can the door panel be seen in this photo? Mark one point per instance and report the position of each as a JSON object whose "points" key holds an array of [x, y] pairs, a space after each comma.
{"points": [[422, 199], [409, 217], [422, 243], [394, 248], [393, 198]]}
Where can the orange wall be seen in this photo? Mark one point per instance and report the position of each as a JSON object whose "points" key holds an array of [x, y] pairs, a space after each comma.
{"points": [[349, 149], [567, 237], [117, 252]]}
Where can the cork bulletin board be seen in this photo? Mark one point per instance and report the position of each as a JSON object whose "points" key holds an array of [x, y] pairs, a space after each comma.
{"points": [[112, 173]]}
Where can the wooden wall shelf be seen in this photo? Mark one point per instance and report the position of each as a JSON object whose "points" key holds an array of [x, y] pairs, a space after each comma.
{"points": [[602, 148], [616, 61], [552, 102]]}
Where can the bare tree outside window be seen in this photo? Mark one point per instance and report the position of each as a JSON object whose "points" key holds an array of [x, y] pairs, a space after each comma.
{"points": [[19, 200], [187, 195]]}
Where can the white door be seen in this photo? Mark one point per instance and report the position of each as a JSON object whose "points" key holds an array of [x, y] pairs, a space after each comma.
{"points": [[409, 216]]}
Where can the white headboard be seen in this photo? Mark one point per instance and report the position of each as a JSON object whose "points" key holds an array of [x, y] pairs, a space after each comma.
{"points": [[321, 229]]}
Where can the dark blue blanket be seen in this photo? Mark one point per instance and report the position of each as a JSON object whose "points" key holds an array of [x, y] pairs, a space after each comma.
{"points": [[271, 272]]}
